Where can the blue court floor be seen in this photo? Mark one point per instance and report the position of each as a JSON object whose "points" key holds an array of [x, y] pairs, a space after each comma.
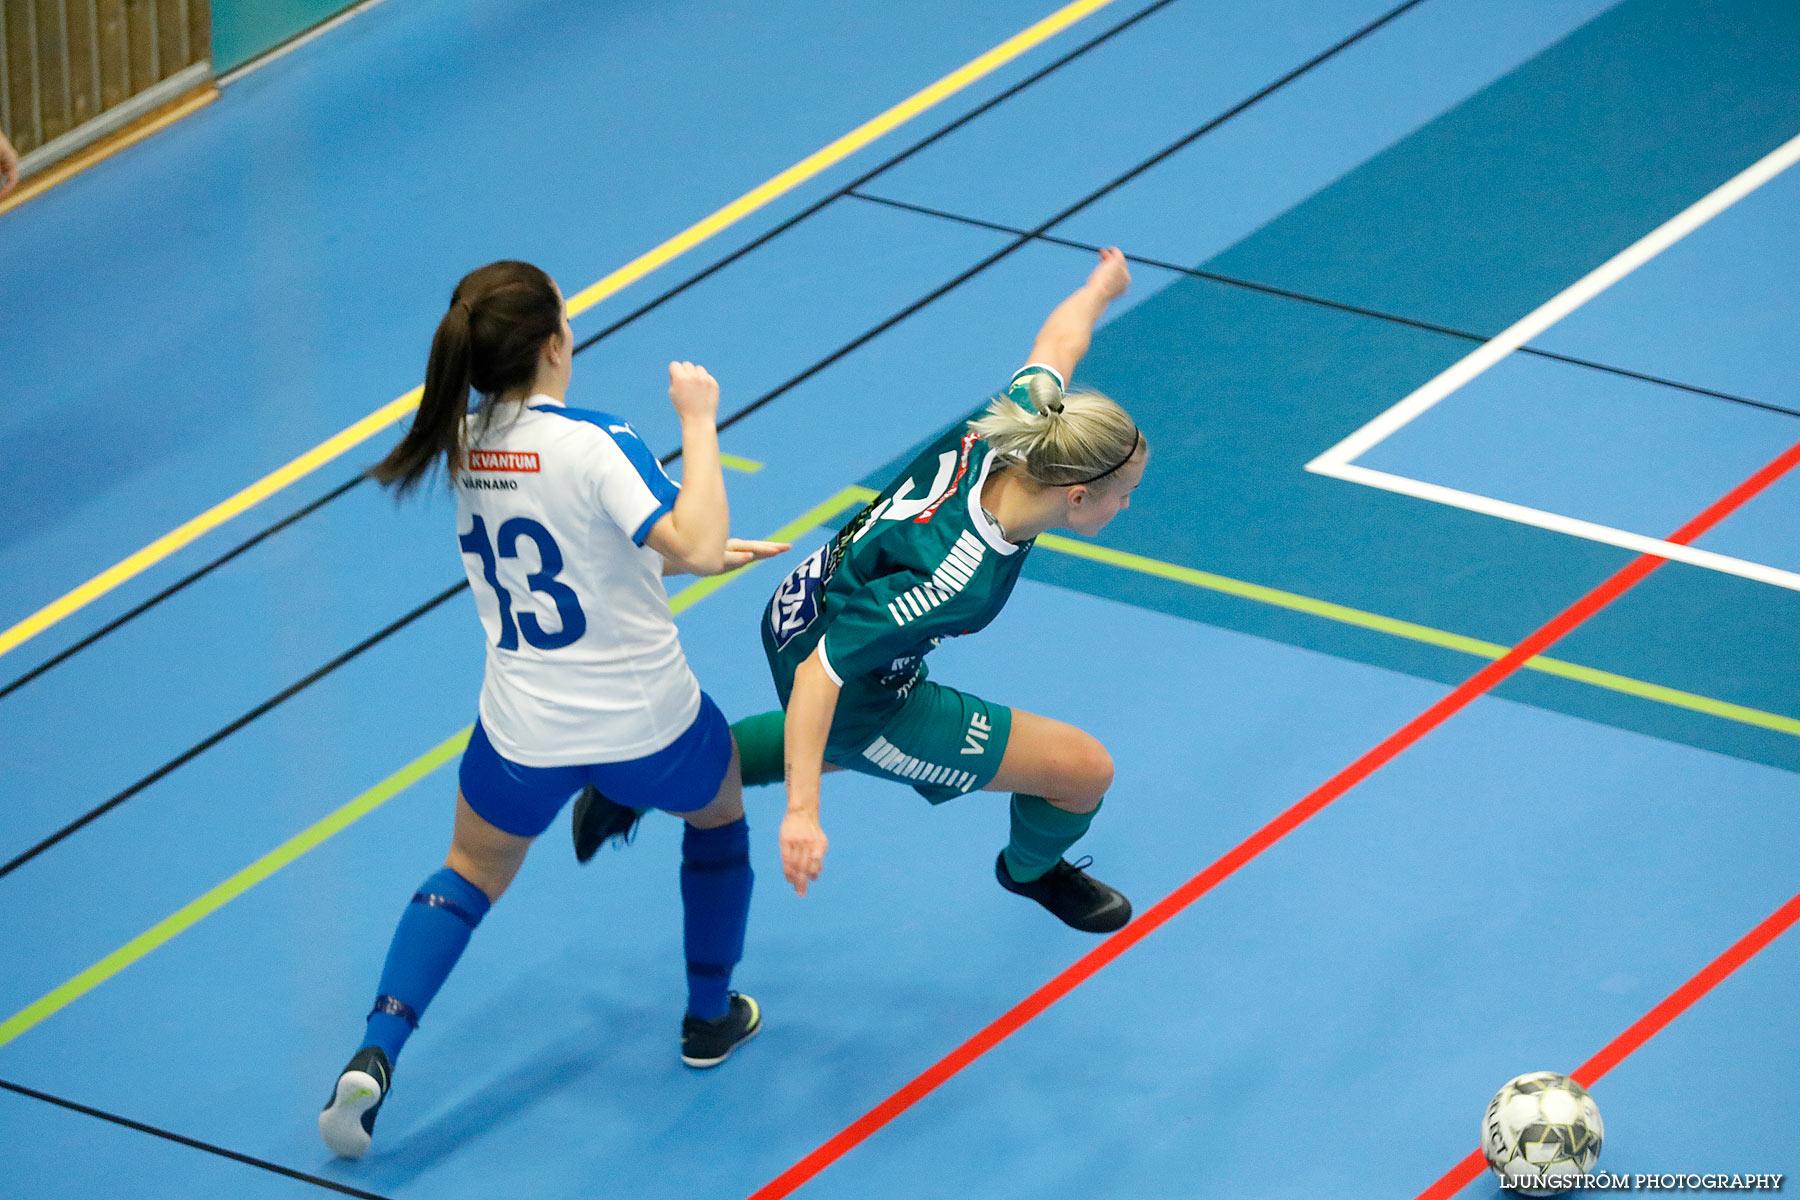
{"points": [[213, 809]]}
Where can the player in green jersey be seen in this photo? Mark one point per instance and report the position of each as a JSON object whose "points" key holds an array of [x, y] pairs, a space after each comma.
{"points": [[936, 556]]}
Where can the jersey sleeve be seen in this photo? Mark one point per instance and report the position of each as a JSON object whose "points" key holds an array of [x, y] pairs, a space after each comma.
{"points": [[634, 489], [1016, 390], [892, 617]]}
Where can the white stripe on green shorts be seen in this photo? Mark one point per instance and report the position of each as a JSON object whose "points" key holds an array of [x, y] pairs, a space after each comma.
{"points": [[891, 758]]}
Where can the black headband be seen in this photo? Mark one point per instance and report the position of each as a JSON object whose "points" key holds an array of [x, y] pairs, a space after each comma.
{"points": [[1136, 437]]}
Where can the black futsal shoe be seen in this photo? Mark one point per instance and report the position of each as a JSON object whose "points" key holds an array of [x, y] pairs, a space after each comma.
{"points": [[348, 1121], [1076, 898], [709, 1043], [597, 819]]}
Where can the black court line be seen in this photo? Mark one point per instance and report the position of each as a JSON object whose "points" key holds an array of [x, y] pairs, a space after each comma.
{"points": [[183, 1140], [642, 310], [69, 652], [1024, 238], [200, 747], [812, 209], [1323, 302]]}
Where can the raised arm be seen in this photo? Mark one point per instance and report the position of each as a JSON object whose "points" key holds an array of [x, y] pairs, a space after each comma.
{"points": [[811, 706], [692, 535], [1065, 335]]}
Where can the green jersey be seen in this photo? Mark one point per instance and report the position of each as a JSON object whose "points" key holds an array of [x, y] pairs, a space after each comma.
{"points": [[921, 563]]}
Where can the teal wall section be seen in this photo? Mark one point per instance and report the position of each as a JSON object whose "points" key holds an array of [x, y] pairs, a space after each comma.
{"points": [[243, 29]]}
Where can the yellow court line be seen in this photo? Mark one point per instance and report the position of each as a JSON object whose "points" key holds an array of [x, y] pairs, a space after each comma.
{"points": [[1344, 615], [1419, 633], [339, 443], [842, 148], [214, 899], [738, 462], [317, 834], [129, 135]]}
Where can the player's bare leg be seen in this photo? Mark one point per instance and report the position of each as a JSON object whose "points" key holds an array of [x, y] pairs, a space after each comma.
{"points": [[1058, 775]]}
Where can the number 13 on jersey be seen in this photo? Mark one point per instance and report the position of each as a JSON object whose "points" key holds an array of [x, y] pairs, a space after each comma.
{"points": [[573, 622]]}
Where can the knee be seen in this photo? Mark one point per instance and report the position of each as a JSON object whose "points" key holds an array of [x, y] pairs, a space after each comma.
{"points": [[492, 882], [727, 808], [1092, 774], [727, 804]]}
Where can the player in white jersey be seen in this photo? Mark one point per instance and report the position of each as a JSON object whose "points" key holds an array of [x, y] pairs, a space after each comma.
{"points": [[566, 523]]}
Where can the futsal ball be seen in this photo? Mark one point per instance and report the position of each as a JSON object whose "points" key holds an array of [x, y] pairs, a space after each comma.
{"points": [[1540, 1126]]}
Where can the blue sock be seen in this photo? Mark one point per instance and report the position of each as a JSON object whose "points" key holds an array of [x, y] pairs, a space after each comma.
{"points": [[715, 897], [429, 939]]}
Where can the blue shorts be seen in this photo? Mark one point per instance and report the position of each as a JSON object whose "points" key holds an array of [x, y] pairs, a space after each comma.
{"points": [[681, 777]]}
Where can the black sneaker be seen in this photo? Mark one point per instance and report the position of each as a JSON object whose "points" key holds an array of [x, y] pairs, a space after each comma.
{"points": [[596, 819], [1076, 898], [709, 1043], [348, 1121]]}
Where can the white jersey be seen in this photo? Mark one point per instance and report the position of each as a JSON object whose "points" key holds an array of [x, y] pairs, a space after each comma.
{"points": [[583, 663]]}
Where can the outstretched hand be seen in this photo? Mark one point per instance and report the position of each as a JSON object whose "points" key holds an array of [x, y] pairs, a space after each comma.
{"points": [[1111, 276], [802, 849], [741, 552]]}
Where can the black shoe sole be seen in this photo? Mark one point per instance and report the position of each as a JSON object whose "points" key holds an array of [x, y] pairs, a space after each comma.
{"points": [[597, 819], [1108, 920]]}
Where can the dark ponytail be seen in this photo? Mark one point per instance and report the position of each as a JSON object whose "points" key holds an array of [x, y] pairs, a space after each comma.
{"points": [[500, 316]]}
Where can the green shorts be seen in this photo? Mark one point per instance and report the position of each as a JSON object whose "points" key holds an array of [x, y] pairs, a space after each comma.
{"points": [[942, 742]]}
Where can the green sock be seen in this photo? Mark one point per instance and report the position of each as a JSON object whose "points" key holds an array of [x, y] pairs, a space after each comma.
{"points": [[759, 743], [1040, 833]]}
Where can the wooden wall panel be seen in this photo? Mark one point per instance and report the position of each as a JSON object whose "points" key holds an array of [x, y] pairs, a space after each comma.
{"points": [[140, 44], [65, 62], [52, 68], [16, 107], [171, 36], [199, 18], [115, 74], [84, 61]]}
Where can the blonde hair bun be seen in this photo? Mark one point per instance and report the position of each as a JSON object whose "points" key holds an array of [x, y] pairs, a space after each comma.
{"points": [[1064, 438]]}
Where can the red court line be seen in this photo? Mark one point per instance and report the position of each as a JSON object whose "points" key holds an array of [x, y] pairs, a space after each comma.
{"points": [[1643, 1029], [1159, 914]]}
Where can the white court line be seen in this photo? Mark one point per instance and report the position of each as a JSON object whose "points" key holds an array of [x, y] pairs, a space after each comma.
{"points": [[1674, 551], [1338, 461]]}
